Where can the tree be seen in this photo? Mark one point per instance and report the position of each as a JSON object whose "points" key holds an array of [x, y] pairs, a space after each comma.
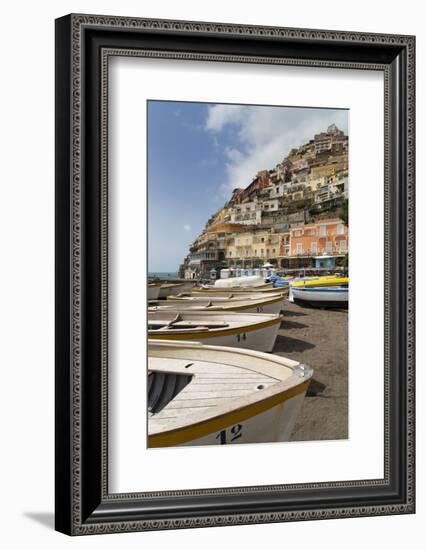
{"points": [[343, 262], [344, 211]]}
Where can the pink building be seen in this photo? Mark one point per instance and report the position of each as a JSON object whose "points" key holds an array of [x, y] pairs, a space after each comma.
{"points": [[325, 237]]}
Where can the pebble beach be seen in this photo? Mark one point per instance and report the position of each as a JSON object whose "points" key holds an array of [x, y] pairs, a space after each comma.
{"points": [[319, 338]]}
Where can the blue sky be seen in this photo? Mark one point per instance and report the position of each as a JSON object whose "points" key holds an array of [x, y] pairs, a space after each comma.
{"points": [[199, 152]]}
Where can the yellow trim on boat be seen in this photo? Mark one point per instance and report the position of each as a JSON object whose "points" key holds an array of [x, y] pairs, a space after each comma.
{"points": [[211, 425], [166, 335], [233, 290], [332, 281], [251, 306], [267, 293]]}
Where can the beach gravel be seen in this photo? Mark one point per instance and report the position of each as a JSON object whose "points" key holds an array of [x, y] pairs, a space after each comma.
{"points": [[319, 338]]}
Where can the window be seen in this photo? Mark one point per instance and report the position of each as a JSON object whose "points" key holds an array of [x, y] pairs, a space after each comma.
{"points": [[273, 251], [299, 248], [341, 229], [262, 240], [255, 252], [230, 253], [342, 245], [314, 248], [323, 231], [329, 246], [262, 252]]}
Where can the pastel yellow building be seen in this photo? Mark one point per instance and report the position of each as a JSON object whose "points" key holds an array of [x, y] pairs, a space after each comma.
{"points": [[244, 245], [266, 245]]}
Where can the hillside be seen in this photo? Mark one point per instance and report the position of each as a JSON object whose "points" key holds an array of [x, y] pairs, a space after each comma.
{"points": [[273, 216]]}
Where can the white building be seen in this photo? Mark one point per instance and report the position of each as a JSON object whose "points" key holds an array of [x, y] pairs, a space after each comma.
{"points": [[248, 213], [280, 189], [270, 205]]}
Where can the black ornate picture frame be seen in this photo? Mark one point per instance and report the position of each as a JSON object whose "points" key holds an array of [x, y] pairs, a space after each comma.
{"points": [[84, 43]]}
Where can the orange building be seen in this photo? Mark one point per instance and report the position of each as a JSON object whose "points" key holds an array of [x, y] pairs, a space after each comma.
{"points": [[285, 247], [327, 237]]}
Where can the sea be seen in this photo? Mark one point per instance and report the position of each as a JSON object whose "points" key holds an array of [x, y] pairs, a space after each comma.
{"points": [[163, 274]]}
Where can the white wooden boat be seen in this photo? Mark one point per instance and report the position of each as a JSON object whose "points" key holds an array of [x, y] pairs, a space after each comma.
{"points": [[244, 282], [237, 290], [209, 395], [256, 331], [170, 289], [337, 297], [188, 285], [261, 304], [153, 291], [234, 295], [314, 282]]}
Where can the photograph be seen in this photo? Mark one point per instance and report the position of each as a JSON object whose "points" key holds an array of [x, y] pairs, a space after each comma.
{"points": [[248, 273]]}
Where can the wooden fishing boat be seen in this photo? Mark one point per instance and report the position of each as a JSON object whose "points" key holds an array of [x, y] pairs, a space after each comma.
{"points": [[320, 281], [210, 395], [261, 304], [170, 289], [236, 290], [228, 296], [188, 285], [337, 297], [256, 331], [153, 291]]}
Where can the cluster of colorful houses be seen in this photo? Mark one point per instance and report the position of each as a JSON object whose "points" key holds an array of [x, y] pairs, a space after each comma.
{"points": [[292, 216]]}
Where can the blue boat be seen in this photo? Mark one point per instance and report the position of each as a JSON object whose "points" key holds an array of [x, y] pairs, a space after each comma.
{"points": [[330, 297]]}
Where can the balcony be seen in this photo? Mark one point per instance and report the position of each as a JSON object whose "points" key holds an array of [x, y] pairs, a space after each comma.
{"points": [[308, 253], [195, 259]]}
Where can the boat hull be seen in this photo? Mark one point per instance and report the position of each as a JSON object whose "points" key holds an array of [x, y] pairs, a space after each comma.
{"points": [[153, 292], [274, 305], [261, 338], [238, 290], [275, 424], [320, 297], [320, 282], [187, 286], [255, 281], [171, 290]]}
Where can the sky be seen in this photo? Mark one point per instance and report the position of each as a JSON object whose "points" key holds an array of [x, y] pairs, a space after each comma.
{"points": [[199, 152]]}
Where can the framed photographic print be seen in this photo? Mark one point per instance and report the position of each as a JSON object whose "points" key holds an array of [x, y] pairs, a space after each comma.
{"points": [[217, 187]]}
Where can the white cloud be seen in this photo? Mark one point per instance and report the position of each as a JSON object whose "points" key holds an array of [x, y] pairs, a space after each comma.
{"points": [[187, 227], [265, 135], [220, 115], [234, 155]]}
